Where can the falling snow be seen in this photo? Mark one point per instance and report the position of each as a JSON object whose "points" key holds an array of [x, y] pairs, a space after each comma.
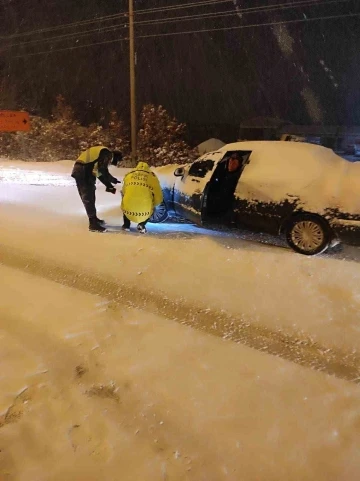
{"points": [[312, 105], [284, 39]]}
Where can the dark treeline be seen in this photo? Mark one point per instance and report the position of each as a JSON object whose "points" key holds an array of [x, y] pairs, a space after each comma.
{"points": [[302, 72]]}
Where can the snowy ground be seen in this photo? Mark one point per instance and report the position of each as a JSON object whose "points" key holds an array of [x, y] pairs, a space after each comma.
{"points": [[185, 354]]}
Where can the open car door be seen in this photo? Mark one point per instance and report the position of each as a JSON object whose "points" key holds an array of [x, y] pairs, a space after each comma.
{"points": [[218, 195], [189, 188]]}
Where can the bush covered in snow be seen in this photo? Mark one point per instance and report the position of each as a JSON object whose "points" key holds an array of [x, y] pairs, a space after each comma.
{"points": [[160, 139], [115, 135], [62, 137], [27, 146]]}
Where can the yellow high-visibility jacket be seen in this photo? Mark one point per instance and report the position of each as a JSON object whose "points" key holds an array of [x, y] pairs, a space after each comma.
{"points": [[91, 156], [141, 192], [92, 164]]}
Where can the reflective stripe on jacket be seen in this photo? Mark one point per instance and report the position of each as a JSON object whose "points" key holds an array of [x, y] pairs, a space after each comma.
{"points": [[141, 193]]}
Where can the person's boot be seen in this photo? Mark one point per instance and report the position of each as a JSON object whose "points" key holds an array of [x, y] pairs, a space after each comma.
{"points": [[100, 221], [141, 228], [94, 226]]}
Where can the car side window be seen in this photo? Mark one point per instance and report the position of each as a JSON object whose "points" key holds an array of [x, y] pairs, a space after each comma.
{"points": [[201, 167]]}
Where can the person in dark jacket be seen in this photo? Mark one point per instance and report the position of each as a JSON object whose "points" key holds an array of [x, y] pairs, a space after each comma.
{"points": [[221, 192], [90, 165]]}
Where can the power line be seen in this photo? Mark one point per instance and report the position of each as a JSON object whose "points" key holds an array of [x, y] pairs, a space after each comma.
{"points": [[249, 10], [239, 27], [123, 14], [114, 16], [181, 6], [170, 20], [63, 26], [73, 48], [69, 35], [265, 8]]}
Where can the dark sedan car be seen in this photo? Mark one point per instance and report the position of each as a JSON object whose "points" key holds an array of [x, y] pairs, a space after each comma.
{"points": [[305, 191]]}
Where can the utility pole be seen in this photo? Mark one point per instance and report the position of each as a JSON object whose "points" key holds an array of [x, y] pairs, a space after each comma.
{"points": [[132, 81]]}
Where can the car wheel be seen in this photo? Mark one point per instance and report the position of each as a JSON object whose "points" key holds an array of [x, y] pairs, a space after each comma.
{"points": [[308, 234], [160, 214]]}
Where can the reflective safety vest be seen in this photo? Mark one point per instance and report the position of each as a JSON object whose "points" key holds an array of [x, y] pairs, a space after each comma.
{"points": [[91, 155], [84, 161], [141, 192]]}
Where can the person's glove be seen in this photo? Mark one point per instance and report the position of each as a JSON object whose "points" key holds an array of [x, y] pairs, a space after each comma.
{"points": [[111, 189]]}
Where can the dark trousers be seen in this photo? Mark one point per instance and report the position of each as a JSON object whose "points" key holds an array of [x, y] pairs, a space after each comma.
{"points": [[86, 188], [127, 222]]}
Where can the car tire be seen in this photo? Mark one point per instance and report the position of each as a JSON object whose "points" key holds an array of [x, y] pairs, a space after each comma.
{"points": [[308, 234], [160, 214]]}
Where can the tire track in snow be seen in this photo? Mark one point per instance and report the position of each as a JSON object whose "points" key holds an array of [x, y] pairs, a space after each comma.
{"points": [[300, 350]]}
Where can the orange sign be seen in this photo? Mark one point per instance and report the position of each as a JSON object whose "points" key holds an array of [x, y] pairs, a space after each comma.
{"points": [[13, 120]]}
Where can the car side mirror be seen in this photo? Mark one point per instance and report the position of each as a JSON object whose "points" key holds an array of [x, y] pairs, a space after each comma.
{"points": [[179, 172]]}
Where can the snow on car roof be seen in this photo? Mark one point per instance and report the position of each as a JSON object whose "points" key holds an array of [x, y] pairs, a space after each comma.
{"points": [[314, 173], [282, 148], [279, 170]]}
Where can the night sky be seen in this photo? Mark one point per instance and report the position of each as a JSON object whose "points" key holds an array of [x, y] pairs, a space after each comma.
{"points": [[303, 72]]}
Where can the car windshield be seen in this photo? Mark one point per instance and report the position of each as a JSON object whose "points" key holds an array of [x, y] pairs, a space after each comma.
{"points": [[201, 167]]}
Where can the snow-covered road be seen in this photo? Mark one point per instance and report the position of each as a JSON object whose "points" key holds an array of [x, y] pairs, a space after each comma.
{"points": [[254, 278], [103, 372]]}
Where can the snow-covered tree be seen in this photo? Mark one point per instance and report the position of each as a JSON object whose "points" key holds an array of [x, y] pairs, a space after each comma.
{"points": [[62, 137], [161, 138], [114, 135], [32, 145]]}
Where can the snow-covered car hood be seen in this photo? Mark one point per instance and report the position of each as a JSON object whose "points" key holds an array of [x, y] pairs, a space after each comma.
{"points": [[165, 174]]}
